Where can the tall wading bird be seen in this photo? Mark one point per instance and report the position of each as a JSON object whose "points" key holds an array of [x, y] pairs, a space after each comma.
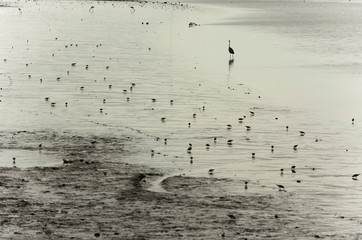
{"points": [[231, 51]]}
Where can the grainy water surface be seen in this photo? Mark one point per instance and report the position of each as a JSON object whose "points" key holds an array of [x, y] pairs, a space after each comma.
{"points": [[297, 64]]}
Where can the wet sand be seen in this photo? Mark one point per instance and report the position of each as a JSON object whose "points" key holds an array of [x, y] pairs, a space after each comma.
{"points": [[94, 198], [97, 197]]}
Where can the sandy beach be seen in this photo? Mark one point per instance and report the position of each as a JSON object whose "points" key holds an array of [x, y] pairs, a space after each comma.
{"points": [[101, 101]]}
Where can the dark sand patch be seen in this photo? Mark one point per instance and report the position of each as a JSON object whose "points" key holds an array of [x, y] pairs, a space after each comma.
{"points": [[97, 199]]}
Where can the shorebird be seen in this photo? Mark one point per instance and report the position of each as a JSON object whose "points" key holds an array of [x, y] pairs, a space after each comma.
{"points": [[230, 142], [231, 51], [191, 160], [163, 119], [355, 176], [252, 113], [211, 171], [253, 155], [246, 185], [295, 147], [232, 217], [91, 8], [248, 128], [281, 187], [207, 146], [302, 133], [189, 148], [272, 148], [281, 171], [229, 126]]}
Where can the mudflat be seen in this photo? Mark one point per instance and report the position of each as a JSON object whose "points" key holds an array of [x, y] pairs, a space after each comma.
{"points": [[90, 198]]}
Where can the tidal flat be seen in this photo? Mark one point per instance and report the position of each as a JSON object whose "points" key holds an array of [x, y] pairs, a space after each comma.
{"points": [[100, 102]]}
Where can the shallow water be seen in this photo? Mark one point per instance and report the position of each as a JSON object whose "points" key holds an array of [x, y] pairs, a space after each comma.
{"points": [[27, 158], [287, 75]]}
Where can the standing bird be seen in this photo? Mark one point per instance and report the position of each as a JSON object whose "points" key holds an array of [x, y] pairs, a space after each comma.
{"points": [[281, 187], [189, 148], [231, 51]]}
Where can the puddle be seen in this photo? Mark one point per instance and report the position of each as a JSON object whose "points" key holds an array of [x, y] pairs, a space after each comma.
{"points": [[156, 185], [27, 158]]}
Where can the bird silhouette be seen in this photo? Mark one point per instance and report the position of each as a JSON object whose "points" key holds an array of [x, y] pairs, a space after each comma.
{"points": [[231, 51], [281, 187]]}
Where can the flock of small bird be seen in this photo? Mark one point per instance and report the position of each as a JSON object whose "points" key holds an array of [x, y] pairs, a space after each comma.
{"points": [[229, 142]]}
